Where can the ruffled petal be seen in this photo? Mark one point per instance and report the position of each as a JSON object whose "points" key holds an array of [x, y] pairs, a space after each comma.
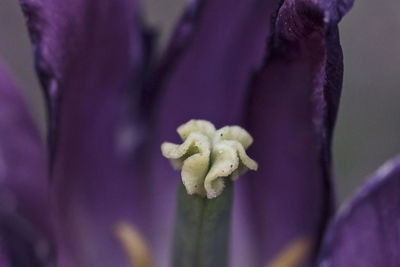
{"points": [[23, 160], [88, 56], [365, 232], [291, 113]]}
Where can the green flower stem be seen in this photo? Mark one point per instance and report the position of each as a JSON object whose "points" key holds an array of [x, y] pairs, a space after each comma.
{"points": [[202, 226]]}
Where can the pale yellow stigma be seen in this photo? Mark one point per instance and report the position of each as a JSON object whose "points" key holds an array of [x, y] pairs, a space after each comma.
{"points": [[293, 255], [134, 245], [208, 156]]}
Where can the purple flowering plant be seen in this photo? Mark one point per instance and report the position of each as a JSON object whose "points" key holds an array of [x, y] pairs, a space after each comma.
{"points": [[99, 192]]}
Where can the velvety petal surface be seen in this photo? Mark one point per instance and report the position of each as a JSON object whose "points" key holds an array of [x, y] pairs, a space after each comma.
{"points": [[365, 232], [291, 113], [23, 160], [88, 56]]}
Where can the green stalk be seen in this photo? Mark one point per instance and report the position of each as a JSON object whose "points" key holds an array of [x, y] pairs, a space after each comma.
{"points": [[202, 226]]}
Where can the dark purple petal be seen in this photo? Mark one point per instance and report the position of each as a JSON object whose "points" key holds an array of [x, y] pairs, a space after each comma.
{"points": [[88, 54], [335, 9], [23, 161], [21, 244], [365, 232], [291, 113], [4, 261], [216, 48]]}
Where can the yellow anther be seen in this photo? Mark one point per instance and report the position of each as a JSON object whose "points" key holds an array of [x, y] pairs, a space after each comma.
{"points": [[134, 245], [293, 255]]}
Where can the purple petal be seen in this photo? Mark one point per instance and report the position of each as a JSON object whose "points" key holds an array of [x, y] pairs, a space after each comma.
{"points": [[21, 244], [4, 261], [291, 114], [88, 56], [81, 42], [335, 9], [24, 207], [215, 50], [23, 161], [366, 230]]}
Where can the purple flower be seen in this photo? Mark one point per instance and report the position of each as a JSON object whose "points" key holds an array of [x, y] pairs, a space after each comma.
{"points": [[272, 66]]}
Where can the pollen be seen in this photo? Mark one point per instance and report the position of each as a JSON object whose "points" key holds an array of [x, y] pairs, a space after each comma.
{"points": [[294, 254], [134, 245], [208, 156]]}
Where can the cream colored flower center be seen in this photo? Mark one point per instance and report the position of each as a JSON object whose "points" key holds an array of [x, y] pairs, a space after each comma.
{"points": [[208, 156]]}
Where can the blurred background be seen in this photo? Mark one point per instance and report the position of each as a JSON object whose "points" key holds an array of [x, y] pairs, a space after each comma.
{"points": [[368, 127]]}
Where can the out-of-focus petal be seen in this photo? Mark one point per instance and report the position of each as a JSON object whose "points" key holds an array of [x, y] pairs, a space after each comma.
{"points": [[291, 113], [365, 232], [216, 48], [334, 9], [23, 183], [88, 55], [4, 261], [20, 243], [23, 160], [83, 43]]}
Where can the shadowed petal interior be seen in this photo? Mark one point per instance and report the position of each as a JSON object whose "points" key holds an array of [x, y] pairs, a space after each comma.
{"points": [[291, 112], [89, 58]]}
